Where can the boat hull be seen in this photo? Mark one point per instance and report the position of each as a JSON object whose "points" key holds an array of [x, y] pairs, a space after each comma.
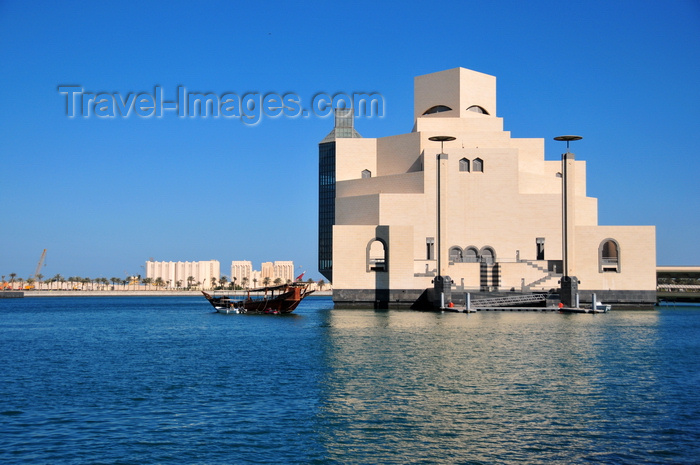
{"points": [[585, 310], [286, 300]]}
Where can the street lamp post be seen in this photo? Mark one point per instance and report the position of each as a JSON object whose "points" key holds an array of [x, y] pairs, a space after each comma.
{"points": [[441, 284], [569, 284]]}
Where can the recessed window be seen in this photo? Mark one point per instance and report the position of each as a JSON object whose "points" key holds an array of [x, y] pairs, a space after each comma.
{"points": [[477, 109], [488, 255], [609, 256], [377, 255], [471, 255], [478, 165], [437, 109], [456, 254], [430, 248], [464, 164]]}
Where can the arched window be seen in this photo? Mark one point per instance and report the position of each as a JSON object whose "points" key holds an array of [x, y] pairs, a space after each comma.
{"points": [[609, 256], [478, 165], [464, 164], [488, 255], [366, 174], [471, 255], [456, 254], [477, 109], [437, 109], [377, 257]]}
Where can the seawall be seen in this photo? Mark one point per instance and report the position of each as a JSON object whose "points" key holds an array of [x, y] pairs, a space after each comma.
{"points": [[11, 294]]}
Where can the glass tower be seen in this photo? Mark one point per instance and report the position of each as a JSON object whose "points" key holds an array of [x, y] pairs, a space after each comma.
{"points": [[344, 128]]}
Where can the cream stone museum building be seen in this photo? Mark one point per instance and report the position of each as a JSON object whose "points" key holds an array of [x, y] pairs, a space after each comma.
{"points": [[505, 219]]}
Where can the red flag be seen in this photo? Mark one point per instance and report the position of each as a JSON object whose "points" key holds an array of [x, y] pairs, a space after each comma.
{"points": [[300, 276]]}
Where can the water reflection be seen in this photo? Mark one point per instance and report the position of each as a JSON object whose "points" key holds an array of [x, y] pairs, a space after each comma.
{"points": [[426, 387]]}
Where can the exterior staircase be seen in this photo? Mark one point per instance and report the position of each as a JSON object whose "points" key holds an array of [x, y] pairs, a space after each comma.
{"points": [[548, 275]]}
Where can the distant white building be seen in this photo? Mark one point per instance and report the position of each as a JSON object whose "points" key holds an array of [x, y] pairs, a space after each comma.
{"points": [[283, 270], [241, 270], [183, 274], [242, 273]]}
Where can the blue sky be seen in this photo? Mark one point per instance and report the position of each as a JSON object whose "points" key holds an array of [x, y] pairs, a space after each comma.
{"points": [[104, 195]]}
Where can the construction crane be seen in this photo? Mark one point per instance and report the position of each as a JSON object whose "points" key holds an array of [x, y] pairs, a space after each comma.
{"points": [[38, 266]]}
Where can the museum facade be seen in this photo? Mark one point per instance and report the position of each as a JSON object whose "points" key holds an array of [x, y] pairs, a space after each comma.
{"points": [[459, 197]]}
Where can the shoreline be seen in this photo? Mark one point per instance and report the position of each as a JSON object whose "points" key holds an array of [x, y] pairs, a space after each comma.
{"points": [[134, 293]]}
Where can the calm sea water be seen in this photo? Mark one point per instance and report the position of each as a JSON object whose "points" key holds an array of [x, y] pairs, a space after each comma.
{"points": [[164, 380]]}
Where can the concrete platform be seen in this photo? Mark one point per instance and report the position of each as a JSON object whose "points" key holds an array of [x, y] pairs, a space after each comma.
{"points": [[520, 309], [502, 309]]}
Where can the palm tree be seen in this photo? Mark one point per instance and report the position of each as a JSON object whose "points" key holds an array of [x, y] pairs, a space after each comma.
{"points": [[278, 281], [190, 280], [38, 278], [147, 282], [159, 282], [179, 284], [266, 281], [56, 278], [321, 283], [222, 281], [233, 283], [244, 281], [213, 282], [115, 281], [12, 278]]}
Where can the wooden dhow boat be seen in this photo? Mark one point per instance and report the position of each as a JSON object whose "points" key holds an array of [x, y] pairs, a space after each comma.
{"points": [[275, 300]]}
